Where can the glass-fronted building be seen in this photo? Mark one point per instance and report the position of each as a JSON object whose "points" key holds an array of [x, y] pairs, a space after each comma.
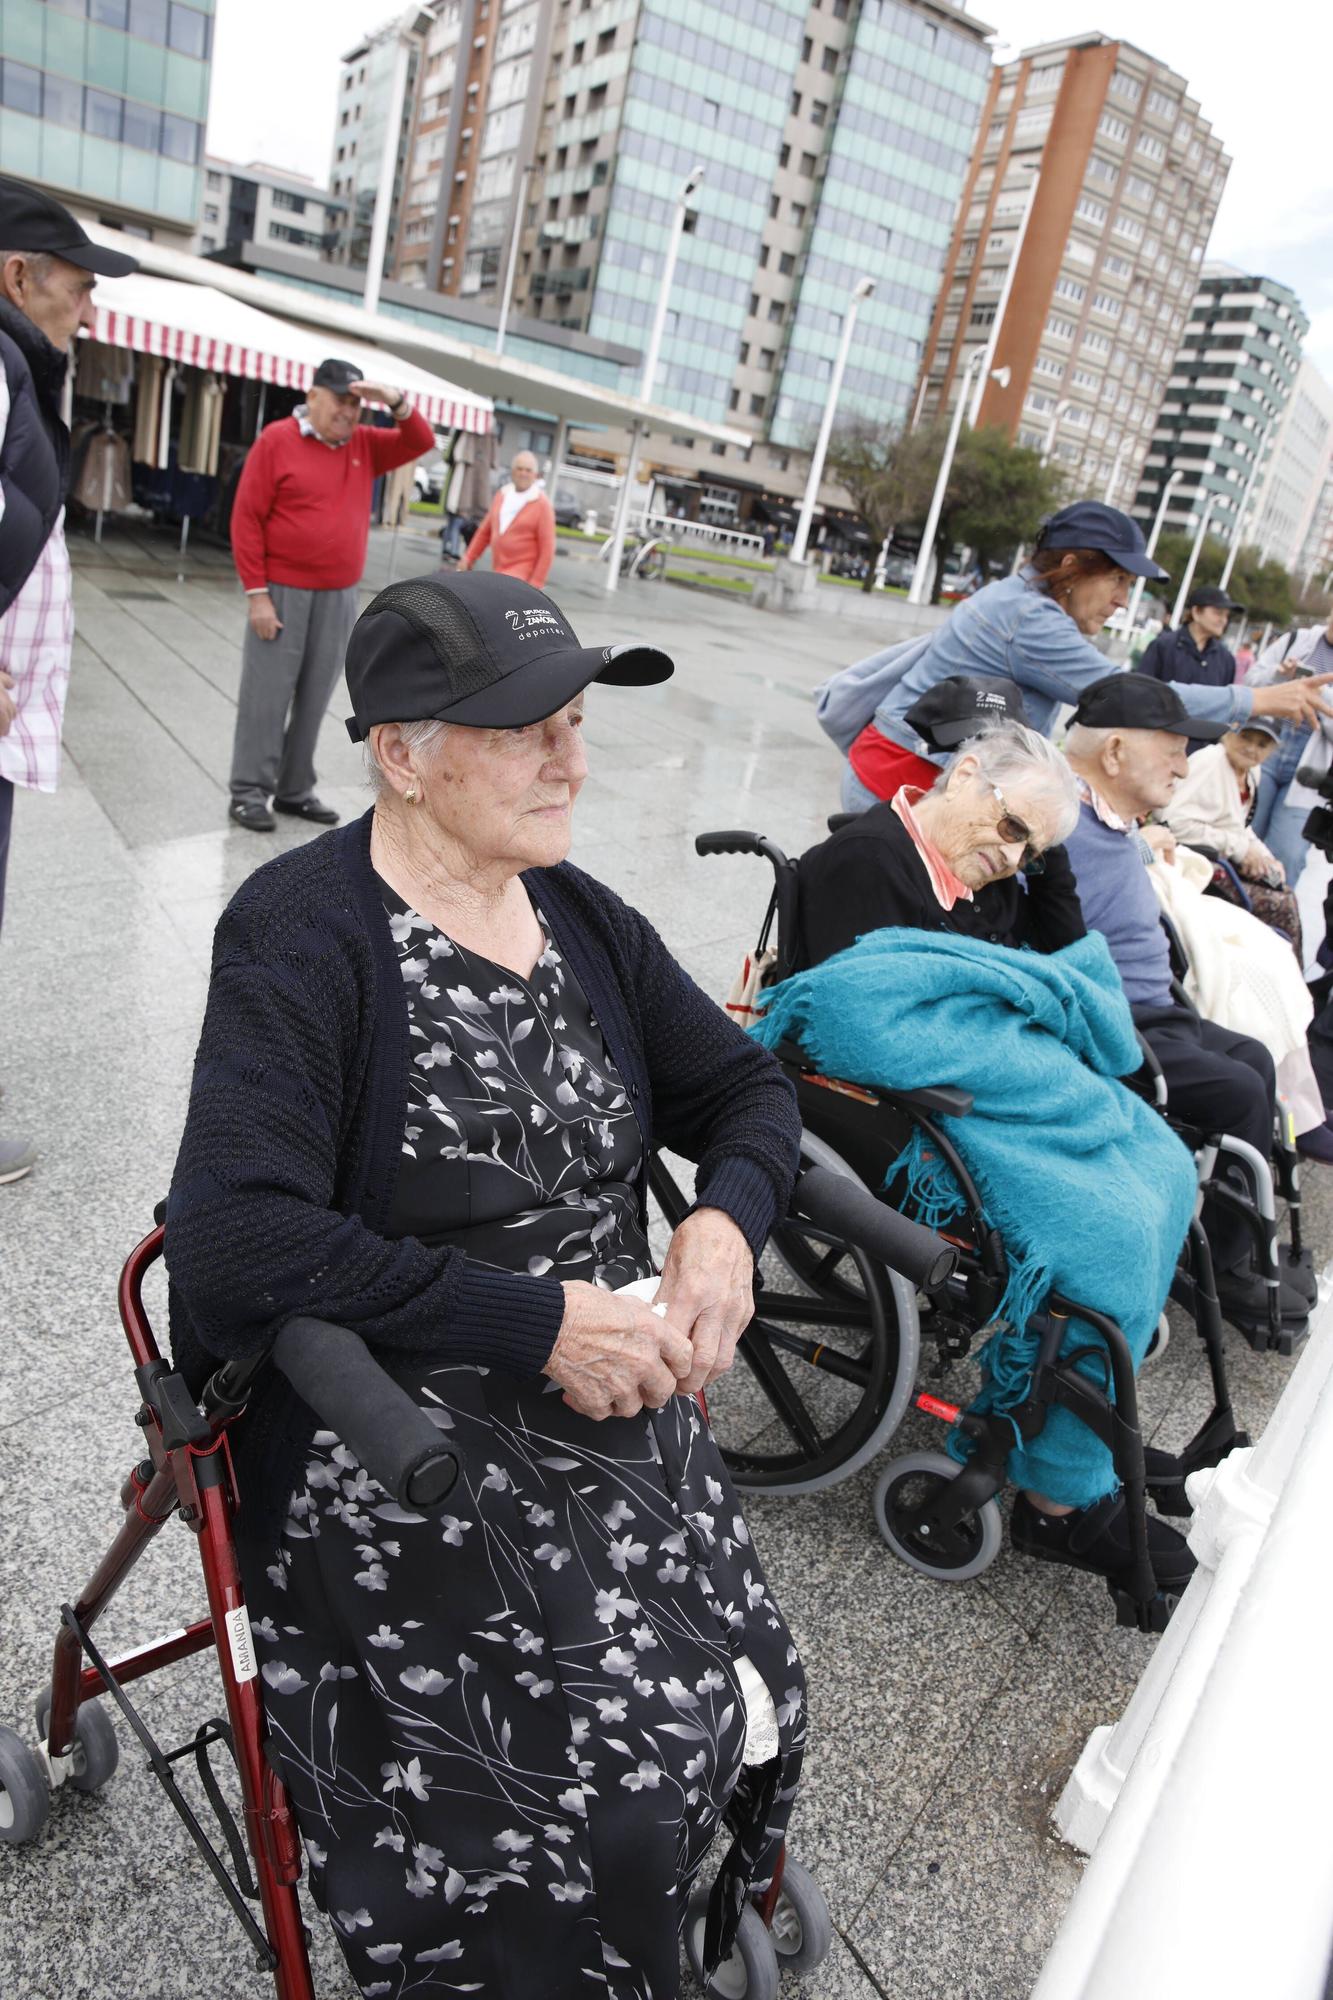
{"points": [[104, 102]]}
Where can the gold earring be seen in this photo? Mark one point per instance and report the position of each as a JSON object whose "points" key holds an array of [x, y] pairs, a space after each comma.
{"points": [[410, 795]]}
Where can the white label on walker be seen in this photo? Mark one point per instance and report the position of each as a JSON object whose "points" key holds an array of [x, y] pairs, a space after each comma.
{"points": [[241, 1641]]}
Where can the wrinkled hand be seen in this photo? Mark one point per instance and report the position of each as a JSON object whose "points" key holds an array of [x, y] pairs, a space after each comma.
{"points": [[1162, 841], [1294, 700], [264, 620], [9, 708], [615, 1356], [375, 392], [1261, 866], [708, 1289]]}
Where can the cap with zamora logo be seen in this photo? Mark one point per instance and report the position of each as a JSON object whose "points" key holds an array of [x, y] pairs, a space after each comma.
{"points": [[487, 651]]}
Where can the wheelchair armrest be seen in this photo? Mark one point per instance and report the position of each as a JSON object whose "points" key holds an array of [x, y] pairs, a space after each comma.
{"points": [[933, 1097], [1148, 1081]]}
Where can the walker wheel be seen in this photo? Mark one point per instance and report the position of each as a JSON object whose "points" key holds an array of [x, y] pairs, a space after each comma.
{"points": [[750, 1971], [96, 1751], [905, 1486], [802, 1928], [25, 1796]]}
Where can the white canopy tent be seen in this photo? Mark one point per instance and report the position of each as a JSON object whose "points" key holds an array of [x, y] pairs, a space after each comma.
{"points": [[207, 328]]}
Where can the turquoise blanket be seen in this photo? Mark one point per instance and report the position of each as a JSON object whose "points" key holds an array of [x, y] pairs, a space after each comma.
{"points": [[1090, 1191]]}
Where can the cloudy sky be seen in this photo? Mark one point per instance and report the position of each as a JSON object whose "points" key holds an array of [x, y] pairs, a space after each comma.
{"points": [[1258, 73]]}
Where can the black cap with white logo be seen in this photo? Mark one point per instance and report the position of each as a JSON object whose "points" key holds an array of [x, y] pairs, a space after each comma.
{"points": [[488, 651], [1136, 701], [956, 708]]}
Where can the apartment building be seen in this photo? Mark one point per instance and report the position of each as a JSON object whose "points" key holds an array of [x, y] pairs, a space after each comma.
{"points": [[266, 206], [104, 103], [1128, 177], [834, 140], [1285, 506], [1226, 397], [366, 98]]}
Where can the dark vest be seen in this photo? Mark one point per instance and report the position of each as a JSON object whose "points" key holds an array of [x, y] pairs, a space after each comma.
{"points": [[34, 452]]}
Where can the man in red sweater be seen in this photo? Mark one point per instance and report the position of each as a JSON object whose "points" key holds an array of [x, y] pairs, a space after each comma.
{"points": [[519, 528], [299, 529]]}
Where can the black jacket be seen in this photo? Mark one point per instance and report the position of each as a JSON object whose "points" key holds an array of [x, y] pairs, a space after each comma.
{"points": [[1173, 656], [294, 1135], [34, 451], [868, 876]]}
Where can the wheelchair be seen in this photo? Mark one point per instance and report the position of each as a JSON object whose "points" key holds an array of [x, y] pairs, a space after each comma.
{"points": [[187, 1474], [825, 1312]]}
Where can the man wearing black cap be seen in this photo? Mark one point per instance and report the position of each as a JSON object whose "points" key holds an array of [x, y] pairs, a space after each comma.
{"points": [[1127, 747], [1193, 653], [299, 530], [48, 268]]}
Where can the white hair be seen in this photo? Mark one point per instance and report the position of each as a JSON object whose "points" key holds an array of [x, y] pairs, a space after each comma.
{"points": [[419, 737], [1009, 753], [1082, 740]]}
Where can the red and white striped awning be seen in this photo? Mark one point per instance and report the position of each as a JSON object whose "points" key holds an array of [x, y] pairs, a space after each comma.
{"points": [[206, 328]]}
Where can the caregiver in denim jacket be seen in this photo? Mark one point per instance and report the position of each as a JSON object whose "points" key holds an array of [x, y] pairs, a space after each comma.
{"points": [[1035, 628]]}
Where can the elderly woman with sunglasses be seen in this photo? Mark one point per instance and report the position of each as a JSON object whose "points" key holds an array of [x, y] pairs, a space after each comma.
{"points": [[950, 858]]}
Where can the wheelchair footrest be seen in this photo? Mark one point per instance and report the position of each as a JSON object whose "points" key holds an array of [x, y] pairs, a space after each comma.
{"points": [[1154, 1616]]}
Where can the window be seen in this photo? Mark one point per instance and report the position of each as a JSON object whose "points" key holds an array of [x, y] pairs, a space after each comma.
{"points": [[744, 353], [212, 180], [757, 406], [734, 400], [795, 106], [1126, 88], [718, 450], [1112, 128], [982, 316], [808, 165], [1069, 288], [1049, 364], [21, 88], [786, 263], [1140, 189], [1128, 226], [1116, 267], [1095, 343], [142, 127], [296, 202], [101, 113], [1164, 106], [1150, 146], [110, 13], [180, 138], [1091, 211], [819, 112], [767, 358], [1102, 169], [784, 155], [807, 49], [190, 32], [1061, 329], [774, 204], [1083, 378], [798, 214], [829, 60], [763, 256], [148, 19], [776, 309]]}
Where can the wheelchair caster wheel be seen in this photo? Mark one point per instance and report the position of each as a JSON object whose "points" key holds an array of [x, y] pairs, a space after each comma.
{"points": [[25, 1796], [750, 1970], [96, 1750], [802, 1928], [906, 1486], [1157, 1346]]}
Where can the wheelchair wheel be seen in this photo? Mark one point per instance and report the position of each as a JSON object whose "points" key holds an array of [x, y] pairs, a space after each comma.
{"points": [[96, 1751], [802, 1927], [749, 1972], [25, 1797], [903, 1487]]}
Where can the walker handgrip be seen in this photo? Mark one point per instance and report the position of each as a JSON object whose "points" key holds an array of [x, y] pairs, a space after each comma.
{"points": [[846, 1209], [333, 1370], [734, 842]]}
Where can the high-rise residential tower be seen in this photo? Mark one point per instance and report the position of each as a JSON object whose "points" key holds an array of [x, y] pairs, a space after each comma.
{"points": [[1130, 175]]}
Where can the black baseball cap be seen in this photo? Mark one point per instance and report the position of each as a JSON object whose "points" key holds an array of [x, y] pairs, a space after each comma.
{"points": [[491, 652], [1090, 524], [337, 375], [1136, 701], [1208, 597], [1265, 725], [34, 221], [956, 707]]}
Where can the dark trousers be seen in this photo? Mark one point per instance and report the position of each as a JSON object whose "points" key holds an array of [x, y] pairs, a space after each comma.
{"points": [[286, 684], [1220, 1082], [6, 821]]}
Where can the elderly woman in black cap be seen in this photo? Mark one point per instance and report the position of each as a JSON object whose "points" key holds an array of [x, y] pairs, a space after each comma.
{"points": [[1035, 628], [950, 858], [434, 1061]]}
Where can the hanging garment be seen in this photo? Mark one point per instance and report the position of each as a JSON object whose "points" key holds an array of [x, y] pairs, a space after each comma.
{"points": [[147, 409], [201, 424], [106, 373], [104, 481], [163, 456], [479, 479]]}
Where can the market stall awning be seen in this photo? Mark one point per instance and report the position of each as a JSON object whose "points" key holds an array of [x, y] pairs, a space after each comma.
{"points": [[206, 328]]}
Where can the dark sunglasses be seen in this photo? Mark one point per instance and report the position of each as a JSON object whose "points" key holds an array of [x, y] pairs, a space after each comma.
{"points": [[1012, 830]]}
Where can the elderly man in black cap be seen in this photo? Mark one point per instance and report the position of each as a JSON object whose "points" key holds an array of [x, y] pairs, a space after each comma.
{"points": [[1192, 654], [48, 268], [1127, 747], [299, 531]]}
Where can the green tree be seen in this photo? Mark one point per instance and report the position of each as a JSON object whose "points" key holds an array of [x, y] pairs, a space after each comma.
{"points": [[1264, 588]]}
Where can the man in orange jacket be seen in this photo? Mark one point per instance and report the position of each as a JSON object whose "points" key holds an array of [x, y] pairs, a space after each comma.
{"points": [[520, 523]]}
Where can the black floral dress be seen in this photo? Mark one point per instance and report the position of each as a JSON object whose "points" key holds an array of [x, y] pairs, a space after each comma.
{"points": [[511, 1733]]}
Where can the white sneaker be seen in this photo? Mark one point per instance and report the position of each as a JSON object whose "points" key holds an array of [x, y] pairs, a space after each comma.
{"points": [[17, 1158]]}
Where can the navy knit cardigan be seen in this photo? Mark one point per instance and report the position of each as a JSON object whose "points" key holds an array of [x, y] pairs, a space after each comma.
{"points": [[294, 1135]]}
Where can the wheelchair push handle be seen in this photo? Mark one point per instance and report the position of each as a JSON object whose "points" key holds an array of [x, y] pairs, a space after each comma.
{"points": [[846, 1209], [736, 840], [333, 1370]]}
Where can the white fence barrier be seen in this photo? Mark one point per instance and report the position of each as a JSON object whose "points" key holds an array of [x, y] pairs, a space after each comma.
{"points": [[1207, 1808]]}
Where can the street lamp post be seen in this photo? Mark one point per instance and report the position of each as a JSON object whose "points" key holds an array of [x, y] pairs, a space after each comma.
{"points": [[1244, 507], [1135, 597], [1114, 480], [1001, 304], [916, 593], [520, 203], [1051, 429], [1190, 567], [409, 27], [861, 290], [650, 359]]}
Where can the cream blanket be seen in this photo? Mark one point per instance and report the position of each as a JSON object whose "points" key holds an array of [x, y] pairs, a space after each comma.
{"points": [[1242, 975]]}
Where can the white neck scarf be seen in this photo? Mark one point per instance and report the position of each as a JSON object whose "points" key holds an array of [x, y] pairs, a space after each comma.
{"points": [[512, 502]]}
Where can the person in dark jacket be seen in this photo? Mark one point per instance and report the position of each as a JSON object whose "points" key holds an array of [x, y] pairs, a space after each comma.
{"points": [[48, 268], [950, 858], [434, 1061], [1192, 654]]}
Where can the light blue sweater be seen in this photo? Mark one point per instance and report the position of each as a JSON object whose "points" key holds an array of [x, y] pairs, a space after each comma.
{"points": [[1119, 901]]}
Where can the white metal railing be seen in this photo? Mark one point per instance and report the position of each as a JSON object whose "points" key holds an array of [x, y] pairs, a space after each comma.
{"points": [[672, 529], [1206, 1808]]}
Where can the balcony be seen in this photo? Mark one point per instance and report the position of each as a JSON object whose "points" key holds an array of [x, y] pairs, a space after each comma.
{"points": [[560, 284]]}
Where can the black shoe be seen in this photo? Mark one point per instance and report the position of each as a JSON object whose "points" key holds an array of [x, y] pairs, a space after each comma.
{"points": [[1096, 1538], [1165, 1479], [322, 815], [250, 814], [1243, 1297], [1317, 1144]]}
